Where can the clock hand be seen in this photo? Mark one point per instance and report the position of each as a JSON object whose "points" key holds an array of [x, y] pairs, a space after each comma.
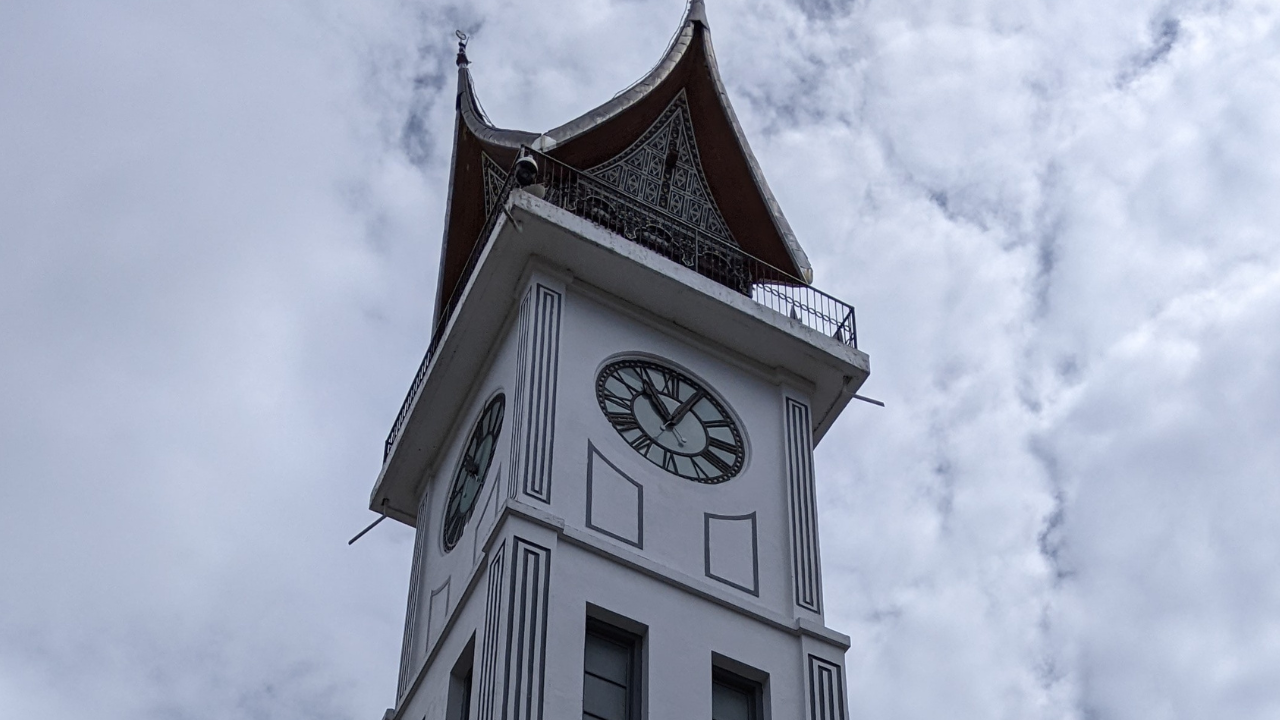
{"points": [[683, 410], [654, 399]]}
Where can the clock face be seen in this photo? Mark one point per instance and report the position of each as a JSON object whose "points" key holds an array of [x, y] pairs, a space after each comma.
{"points": [[671, 419], [469, 478]]}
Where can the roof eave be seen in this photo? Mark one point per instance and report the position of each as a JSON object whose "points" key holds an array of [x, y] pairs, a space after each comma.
{"points": [[695, 16], [783, 227], [476, 122]]}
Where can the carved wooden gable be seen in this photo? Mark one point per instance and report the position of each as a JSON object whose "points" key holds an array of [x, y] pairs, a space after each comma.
{"points": [[494, 178], [663, 169]]}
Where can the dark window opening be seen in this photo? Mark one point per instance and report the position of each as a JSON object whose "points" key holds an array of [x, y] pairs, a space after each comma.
{"points": [[734, 697], [610, 674], [459, 702]]}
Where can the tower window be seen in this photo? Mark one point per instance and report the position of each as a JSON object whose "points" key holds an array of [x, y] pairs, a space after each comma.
{"points": [[459, 703], [610, 674], [734, 697]]}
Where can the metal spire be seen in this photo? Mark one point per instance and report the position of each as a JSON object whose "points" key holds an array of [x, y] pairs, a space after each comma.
{"points": [[462, 48]]}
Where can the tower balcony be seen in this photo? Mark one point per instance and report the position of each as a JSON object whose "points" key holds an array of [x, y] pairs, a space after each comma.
{"points": [[635, 251]]}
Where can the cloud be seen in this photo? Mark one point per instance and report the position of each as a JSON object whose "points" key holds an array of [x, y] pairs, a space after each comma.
{"points": [[218, 233], [200, 252]]}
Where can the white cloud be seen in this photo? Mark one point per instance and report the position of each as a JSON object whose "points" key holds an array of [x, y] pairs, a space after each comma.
{"points": [[1058, 224]]}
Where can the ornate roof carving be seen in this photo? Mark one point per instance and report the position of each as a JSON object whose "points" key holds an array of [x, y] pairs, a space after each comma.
{"points": [[663, 169], [680, 106]]}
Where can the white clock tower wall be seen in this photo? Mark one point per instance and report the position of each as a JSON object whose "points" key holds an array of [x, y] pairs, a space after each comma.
{"points": [[734, 534], [438, 578], [646, 542], [607, 451]]}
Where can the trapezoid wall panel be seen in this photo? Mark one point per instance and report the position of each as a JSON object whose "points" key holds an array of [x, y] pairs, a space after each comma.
{"points": [[731, 552], [615, 502], [437, 614]]}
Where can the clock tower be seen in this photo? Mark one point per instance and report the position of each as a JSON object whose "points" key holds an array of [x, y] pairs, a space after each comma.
{"points": [[607, 451]]}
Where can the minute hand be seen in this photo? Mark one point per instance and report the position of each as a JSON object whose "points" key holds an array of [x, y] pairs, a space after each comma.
{"points": [[654, 399], [684, 409]]}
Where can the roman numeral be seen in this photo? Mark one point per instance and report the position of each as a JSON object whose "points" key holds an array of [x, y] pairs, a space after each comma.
{"points": [[716, 462], [610, 396], [453, 528], [671, 385], [669, 463], [623, 422], [650, 373], [697, 469], [717, 443], [641, 443], [628, 378]]}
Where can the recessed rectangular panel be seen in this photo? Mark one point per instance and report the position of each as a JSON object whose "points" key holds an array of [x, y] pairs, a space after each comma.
{"points": [[538, 363], [731, 555], [437, 614], [527, 630], [804, 513], [492, 634], [615, 502], [826, 690]]}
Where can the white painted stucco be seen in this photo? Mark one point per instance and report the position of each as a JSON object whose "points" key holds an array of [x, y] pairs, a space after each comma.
{"points": [[701, 569]]}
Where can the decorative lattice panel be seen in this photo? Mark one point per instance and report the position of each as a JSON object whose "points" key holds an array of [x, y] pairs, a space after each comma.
{"points": [[494, 178], [663, 169]]}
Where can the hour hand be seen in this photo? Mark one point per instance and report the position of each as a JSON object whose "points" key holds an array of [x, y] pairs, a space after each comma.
{"points": [[684, 409]]}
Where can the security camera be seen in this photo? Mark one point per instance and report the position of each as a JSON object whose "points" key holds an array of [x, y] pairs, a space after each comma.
{"points": [[526, 171]]}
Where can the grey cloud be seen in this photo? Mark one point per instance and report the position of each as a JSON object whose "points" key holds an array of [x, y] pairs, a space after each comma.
{"points": [[218, 234]]}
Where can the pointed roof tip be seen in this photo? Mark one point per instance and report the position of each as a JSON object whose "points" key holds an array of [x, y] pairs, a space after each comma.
{"points": [[689, 49], [697, 13], [462, 48], [472, 113], [475, 117]]}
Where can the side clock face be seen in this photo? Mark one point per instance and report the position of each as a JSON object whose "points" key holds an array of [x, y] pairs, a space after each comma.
{"points": [[671, 419], [468, 479]]}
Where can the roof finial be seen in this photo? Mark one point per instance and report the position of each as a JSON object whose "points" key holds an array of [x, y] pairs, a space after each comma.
{"points": [[462, 48], [697, 12]]}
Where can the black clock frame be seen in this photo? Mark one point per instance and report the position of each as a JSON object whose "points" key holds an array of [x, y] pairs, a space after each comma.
{"points": [[724, 451], [488, 426]]}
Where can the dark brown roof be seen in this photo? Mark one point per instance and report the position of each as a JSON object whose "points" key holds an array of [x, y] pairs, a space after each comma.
{"points": [[731, 171]]}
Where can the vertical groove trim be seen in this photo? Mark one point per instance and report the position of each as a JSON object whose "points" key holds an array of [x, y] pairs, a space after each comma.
{"points": [[804, 525], [527, 631], [826, 690], [541, 371], [492, 634], [411, 611], [519, 401]]}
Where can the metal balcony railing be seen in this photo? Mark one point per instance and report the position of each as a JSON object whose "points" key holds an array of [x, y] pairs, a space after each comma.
{"points": [[664, 233], [660, 231]]}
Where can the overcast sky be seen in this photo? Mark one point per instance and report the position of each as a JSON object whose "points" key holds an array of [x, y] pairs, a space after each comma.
{"points": [[219, 228]]}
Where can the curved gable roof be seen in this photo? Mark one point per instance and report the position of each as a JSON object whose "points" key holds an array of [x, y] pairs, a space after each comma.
{"points": [[731, 171]]}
